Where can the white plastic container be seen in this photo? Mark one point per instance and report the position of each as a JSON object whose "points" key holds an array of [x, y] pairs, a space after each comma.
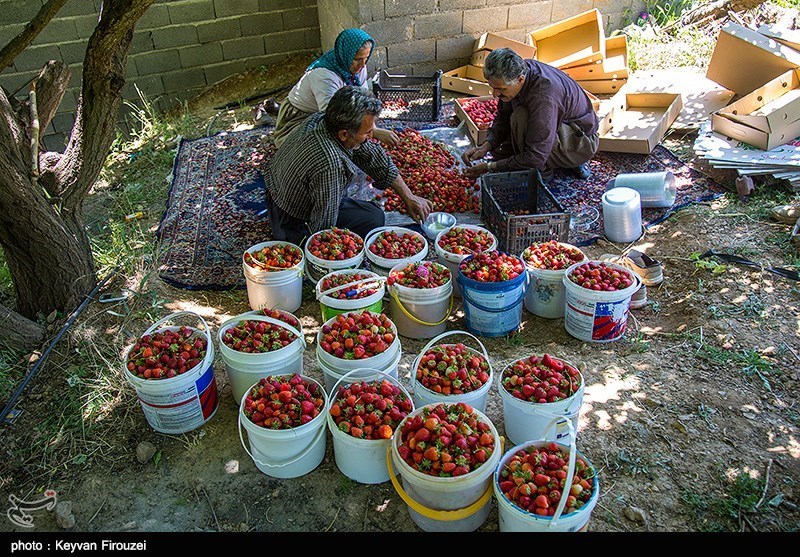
{"points": [[622, 215], [285, 453], [656, 189], [382, 265], [420, 313], [332, 375], [597, 315], [317, 268], [184, 402], [476, 399], [361, 460], [331, 307], [546, 293], [274, 289], [246, 368], [451, 260]]}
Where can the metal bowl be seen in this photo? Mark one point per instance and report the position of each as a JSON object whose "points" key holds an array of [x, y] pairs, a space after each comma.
{"points": [[436, 222]]}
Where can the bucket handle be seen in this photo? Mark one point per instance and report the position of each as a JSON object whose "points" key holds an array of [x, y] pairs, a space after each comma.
{"points": [[262, 280], [436, 339], [393, 294], [363, 283], [376, 231], [335, 388], [251, 317], [286, 462], [446, 516], [570, 467], [492, 310], [209, 349]]}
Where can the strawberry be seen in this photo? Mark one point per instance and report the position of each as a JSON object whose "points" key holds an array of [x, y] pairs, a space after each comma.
{"points": [[280, 402], [370, 410]]}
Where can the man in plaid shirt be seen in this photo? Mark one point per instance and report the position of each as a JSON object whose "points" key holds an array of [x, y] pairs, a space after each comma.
{"points": [[307, 177]]}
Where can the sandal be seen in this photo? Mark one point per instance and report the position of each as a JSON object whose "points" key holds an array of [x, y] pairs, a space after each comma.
{"points": [[640, 263]]}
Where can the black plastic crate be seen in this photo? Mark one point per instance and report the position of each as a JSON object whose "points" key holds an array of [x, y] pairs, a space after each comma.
{"points": [[420, 95], [519, 209]]}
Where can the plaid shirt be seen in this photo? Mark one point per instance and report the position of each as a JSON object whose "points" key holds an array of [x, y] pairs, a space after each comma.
{"points": [[308, 175]]}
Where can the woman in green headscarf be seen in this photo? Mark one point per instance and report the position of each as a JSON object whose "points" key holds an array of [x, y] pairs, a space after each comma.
{"points": [[345, 64]]}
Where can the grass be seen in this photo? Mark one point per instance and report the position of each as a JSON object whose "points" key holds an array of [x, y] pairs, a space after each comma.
{"points": [[640, 465], [722, 511]]}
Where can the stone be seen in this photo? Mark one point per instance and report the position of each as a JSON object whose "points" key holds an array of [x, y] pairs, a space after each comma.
{"points": [[636, 514], [145, 451], [64, 517]]}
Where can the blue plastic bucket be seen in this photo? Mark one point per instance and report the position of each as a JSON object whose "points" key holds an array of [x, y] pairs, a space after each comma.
{"points": [[492, 309]]}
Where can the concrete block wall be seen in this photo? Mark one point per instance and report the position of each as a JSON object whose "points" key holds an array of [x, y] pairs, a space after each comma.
{"points": [[417, 37], [179, 47]]}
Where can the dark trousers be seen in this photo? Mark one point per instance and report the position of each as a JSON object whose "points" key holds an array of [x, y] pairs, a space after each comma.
{"points": [[359, 216]]}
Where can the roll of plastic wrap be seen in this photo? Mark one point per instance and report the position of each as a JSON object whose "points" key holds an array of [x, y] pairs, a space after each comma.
{"points": [[656, 189], [622, 214]]}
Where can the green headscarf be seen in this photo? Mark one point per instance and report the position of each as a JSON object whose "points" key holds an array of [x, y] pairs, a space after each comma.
{"points": [[339, 58]]}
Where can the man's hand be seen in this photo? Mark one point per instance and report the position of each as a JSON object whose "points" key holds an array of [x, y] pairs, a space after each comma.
{"points": [[418, 208], [475, 153], [476, 170], [387, 137]]}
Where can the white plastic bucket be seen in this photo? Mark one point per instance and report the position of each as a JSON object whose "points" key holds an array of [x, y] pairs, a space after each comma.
{"points": [[317, 268], [361, 460], [437, 504], [545, 295], [530, 421], [246, 368], [420, 312], [383, 361], [476, 398], [281, 289], [382, 265], [285, 453], [493, 309], [451, 260], [512, 518], [184, 402], [597, 315], [332, 375], [331, 307]]}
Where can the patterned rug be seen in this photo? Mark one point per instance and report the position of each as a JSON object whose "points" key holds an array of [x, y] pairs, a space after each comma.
{"points": [[214, 209]]}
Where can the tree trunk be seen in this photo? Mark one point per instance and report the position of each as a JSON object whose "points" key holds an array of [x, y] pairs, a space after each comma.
{"points": [[19, 333], [714, 10], [41, 213]]}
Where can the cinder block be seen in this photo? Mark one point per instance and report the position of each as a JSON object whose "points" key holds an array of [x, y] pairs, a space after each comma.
{"points": [[8, 32], [150, 85], [200, 55], [563, 10], [75, 76], [459, 46], [446, 5], [85, 25], [16, 83], [393, 31], [438, 25], [73, 52], [267, 60], [55, 142], [425, 69], [532, 14], [312, 38], [142, 42], [174, 36], [56, 31], [34, 57], [397, 8], [77, 7], [509, 2], [371, 10], [18, 12], [412, 52], [261, 24], [272, 5], [192, 11], [217, 72], [157, 62], [219, 30], [378, 60], [186, 78], [70, 100], [479, 21], [610, 7], [615, 21], [227, 8], [243, 48], [300, 18], [63, 122], [156, 15], [520, 35], [286, 41]]}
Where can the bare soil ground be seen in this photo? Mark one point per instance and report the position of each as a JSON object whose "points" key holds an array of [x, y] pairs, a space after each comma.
{"points": [[692, 418]]}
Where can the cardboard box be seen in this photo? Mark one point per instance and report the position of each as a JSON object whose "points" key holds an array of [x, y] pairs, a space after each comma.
{"points": [[613, 66], [490, 41], [595, 101], [466, 79], [637, 122], [744, 60], [603, 86], [571, 42], [477, 135], [479, 57], [766, 118]]}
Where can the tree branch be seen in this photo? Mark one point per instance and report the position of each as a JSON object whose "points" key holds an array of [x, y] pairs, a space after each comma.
{"points": [[18, 332], [51, 84], [32, 29]]}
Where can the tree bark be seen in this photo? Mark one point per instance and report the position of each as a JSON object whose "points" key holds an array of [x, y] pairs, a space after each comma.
{"points": [[19, 333], [31, 30], [714, 10]]}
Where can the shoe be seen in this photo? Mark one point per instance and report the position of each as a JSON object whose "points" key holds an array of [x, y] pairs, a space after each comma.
{"points": [[648, 269], [582, 171], [787, 214], [639, 298], [547, 175]]}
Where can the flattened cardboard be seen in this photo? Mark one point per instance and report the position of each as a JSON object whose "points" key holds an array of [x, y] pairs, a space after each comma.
{"points": [[477, 135], [757, 138], [790, 38], [613, 66], [744, 60], [637, 122], [490, 41], [466, 79], [595, 101], [571, 42], [701, 96], [769, 108], [603, 86]]}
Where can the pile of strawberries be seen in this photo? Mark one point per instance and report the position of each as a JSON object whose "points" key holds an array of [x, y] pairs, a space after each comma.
{"points": [[335, 244], [597, 275], [541, 380], [492, 266], [355, 336], [481, 112], [274, 258], [282, 402], [465, 241], [165, 354], [370, 410], [284, 316], [427, 168], [391, 244], [253, 336], [355, 293], [551, 255], [533, 479], [422, 274], [446, 440], [452, 369]]}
